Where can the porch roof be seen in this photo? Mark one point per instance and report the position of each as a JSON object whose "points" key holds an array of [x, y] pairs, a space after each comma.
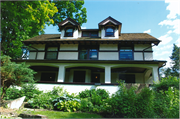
{"points": [[159, 62]]}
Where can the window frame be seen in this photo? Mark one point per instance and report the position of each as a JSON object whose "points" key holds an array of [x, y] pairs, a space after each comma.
{"points": [[65, 33], [108, 32], [88, 51], [46, 51], [132, 47]]}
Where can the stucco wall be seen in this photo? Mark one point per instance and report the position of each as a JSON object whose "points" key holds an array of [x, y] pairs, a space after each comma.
{"points": [[32, 55], [40, 55], [138, 56], [141, 47], [68, 56], [148, 56], [108, 56], [38, 46], [108, 47], [76, 88], [68, 47]]}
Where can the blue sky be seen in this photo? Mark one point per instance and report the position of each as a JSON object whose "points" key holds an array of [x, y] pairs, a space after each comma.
{"points": [[160, 19]]}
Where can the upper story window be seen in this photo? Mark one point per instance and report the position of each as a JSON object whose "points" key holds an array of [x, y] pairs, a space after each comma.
{"points": [[88, 52], [126, 53], [68, 32], [51, 52], [109, 32], [89, 34]]}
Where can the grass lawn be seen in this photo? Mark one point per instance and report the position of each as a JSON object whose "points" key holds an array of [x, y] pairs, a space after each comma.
{"points": [[60, 114]]}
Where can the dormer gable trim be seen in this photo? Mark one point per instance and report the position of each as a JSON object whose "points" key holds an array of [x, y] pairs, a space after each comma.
{"points": [[109, 19], [69, 20]]}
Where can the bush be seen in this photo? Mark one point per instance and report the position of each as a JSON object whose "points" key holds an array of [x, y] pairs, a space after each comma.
{"points": [[93, 100], [167, 82], [46, 100], [12, 93]]}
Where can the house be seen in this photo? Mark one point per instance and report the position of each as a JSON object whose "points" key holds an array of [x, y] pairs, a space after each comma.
{"points": [[87, 58]]}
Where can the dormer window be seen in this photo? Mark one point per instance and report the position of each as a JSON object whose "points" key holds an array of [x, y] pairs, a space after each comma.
{"points": [[109, 32], [69, 32]]}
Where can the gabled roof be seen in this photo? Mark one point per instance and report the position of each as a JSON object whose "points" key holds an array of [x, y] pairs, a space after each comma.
{"points": [[67, 20], [109, 19]]}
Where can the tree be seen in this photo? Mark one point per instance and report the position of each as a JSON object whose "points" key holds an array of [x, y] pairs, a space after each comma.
{"points": [[13, 74], [72, 9], [21, 20], [174, 69]]}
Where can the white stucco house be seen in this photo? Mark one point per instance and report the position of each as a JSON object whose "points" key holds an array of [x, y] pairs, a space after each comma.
{"points": [[80, 59]]}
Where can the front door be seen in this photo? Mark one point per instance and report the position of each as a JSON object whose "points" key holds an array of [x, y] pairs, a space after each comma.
{"points": [[79, 76]]}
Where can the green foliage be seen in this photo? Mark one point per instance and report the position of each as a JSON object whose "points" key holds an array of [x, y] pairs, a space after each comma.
{"points": [[70, 9], [12, 93], [46, 100], [21, 20], [167, 82], [13, 74], [166, 103], [174, 69], [93, 100]]}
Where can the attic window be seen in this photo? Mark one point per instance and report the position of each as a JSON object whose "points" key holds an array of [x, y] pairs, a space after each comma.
{"points": [[109, 32], [68, 32]]}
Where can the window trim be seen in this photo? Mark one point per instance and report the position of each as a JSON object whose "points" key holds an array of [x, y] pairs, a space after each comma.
{"points": [[88, 52], [46, 47], [119, 47], [113, 31], [67, 29]]}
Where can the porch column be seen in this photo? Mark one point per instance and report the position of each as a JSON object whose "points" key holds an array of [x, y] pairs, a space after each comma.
{"points": [[107, 74], [155, 74], [61, 74]]}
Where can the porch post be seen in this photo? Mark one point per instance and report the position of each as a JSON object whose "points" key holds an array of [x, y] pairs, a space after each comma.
{"points": [[107, 74], [155, 73], [61, 74]]}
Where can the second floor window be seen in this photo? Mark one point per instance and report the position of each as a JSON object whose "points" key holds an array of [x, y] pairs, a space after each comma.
{"points": [[51, 52], [109, 32], [88, 52], [68, 32], [126, 53]]}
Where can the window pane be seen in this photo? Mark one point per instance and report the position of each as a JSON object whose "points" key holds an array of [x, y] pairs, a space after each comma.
{"points": [[69, 34], [109, 30], [126, 56], [83, 55], [94, 34], [126, 49], [52, 49], [93, 55], [109, 34], [51, 55], [69, 30], [85, 34]]}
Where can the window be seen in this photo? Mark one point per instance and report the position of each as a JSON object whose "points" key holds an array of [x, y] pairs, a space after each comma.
{"points": [[69, 32], [79, 76], [128, 78], [88, 52], [126, 53], [51, 52], [89, 34], [109, 32]]}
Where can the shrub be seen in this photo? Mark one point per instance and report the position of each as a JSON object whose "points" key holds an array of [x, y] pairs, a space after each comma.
{"points": [[86, 105], [167, 82], [12, 93]]}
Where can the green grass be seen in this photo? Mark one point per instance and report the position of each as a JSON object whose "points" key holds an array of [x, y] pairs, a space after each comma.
{"points": [[60, 114]]}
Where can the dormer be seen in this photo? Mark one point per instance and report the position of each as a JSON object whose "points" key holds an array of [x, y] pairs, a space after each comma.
{"points": [[110, 28], [69, 29]]}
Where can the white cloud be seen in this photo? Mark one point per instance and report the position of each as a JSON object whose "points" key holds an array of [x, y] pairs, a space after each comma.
{"points": [[168, 63], [165, 39], [169, 32], [174, 8], [148, 31], [178, 42], [83, 27]]}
